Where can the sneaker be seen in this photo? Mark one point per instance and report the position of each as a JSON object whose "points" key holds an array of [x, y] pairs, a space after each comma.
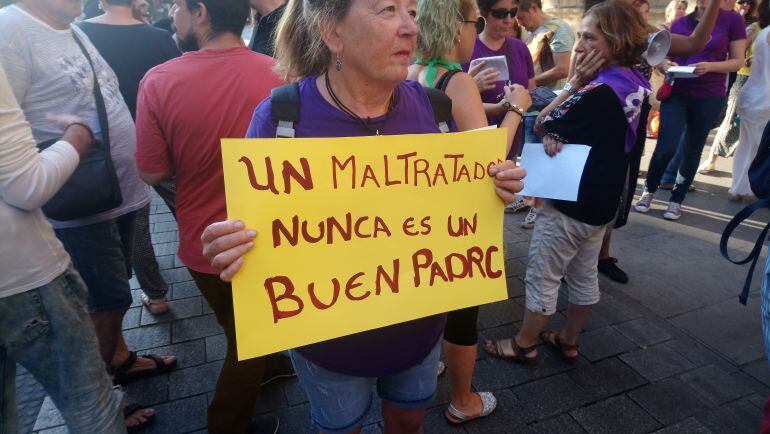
{"points": [[645, 202], [529, 219], [265, 424], [609, 268], [707, 167], [673, 212], [517, 205]]}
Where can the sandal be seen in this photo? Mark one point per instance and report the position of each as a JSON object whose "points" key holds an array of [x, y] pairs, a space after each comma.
{"points": [[457, 417], [123, 377], [515, 353], [130, 410], [156, 306], [551, 338]]}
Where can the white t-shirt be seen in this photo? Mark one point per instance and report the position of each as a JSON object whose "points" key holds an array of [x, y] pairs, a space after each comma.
{"points": [[48, 73], [30, 254]]}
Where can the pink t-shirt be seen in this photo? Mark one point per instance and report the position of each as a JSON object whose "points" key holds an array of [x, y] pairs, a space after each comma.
{"points": [[185, 106]]}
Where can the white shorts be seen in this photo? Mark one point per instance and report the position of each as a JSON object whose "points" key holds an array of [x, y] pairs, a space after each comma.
{"points": [[562, 247]]}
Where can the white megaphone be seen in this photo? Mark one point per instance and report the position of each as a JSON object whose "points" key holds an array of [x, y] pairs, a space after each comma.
{"points": [[658, 44]]}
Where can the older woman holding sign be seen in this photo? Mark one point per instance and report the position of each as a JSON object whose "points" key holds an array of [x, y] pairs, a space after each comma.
{"points": [[351, 58], [448, 31], [604, 114]]}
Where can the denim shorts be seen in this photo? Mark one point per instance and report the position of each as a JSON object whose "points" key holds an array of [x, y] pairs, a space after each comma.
{"points": [[339, 403], [101, 253]]}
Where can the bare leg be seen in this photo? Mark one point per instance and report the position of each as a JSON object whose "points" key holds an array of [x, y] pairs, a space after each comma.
{"points": [[576, 319], [402, 420], [531, 327], [461, 360], [108, 326]]}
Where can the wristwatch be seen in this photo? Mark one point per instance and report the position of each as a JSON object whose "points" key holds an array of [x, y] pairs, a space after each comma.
{"points": [[513, 108], [569, 88]]}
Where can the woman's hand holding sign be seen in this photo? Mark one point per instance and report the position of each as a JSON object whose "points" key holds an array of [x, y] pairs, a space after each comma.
{"points": [[225, 243]]}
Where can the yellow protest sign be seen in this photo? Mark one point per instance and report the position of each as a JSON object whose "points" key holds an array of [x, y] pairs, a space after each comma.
{"points": [[362, 232]]}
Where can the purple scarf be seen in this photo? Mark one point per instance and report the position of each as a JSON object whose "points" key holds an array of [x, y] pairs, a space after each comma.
{"points": [[631, 88]]}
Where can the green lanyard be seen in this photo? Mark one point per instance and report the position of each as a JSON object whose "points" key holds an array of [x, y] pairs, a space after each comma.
{"points": [[433, 64]]}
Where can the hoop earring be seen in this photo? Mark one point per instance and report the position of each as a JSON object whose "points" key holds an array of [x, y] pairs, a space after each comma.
{"points": [[338, 63]]}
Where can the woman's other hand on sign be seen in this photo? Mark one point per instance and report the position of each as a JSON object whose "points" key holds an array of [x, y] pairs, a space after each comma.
{"points": [[485, 77], [551, 145], [508, 180], [224, 244]]}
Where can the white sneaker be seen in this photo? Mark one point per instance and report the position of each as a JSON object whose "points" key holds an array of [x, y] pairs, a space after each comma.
{"points": [[645, 202], [673, 212], [517, 205], [707, 167], [529, 219]]}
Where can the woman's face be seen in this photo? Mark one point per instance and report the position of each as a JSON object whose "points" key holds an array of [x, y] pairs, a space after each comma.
{"points": [[742, 7], [590, 38], [377, 38], [467, 37], [680, 11], [500, 27]]}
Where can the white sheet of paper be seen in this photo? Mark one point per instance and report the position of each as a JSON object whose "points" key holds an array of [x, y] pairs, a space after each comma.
{"points": [[682, 71], [555, 177], [497, 62]]}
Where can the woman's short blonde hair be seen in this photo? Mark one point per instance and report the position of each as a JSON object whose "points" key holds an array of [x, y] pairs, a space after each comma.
{"points": [[439, 21], [299, 47], [625, 29]]}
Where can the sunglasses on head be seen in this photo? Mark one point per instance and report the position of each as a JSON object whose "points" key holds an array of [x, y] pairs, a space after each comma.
{"points": [[480, 23], [500, 14]]}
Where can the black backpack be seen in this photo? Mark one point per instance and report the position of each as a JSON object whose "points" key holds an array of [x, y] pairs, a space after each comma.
{"points": [[759, 178], [284, 105]]}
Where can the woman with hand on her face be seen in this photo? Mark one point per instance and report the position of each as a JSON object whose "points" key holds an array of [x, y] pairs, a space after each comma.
{"points": [[604, 115], [350, 58], [448, 30]]}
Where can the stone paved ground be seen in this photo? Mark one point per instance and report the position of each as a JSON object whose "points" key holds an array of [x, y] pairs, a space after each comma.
{"points": [[672, 351]]}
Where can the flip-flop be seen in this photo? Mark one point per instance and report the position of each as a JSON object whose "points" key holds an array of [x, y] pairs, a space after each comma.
{"points": [[551, 338], [457, 417], [516, 354], [123, 377], [133, 408], [155, 306]]}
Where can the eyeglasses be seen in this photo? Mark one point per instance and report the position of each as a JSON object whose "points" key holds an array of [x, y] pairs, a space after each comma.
{"points": [[500, 14], [480, 23]]}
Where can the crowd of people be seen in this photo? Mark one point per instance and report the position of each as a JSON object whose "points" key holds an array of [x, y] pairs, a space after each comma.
{"points": [[158, 98]]}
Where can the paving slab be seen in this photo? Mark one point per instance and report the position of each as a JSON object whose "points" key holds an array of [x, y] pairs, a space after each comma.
{"points": [[615, 415], [736, 417], [687, 426], [728, 327], [604, 342], [669, 401], [607, 378], [715, 385], [644, 332], [657, 362]]}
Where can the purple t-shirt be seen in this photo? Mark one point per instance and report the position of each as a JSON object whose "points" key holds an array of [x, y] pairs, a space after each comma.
{"points": [[520, 70], [391, 349], [729, 27]]}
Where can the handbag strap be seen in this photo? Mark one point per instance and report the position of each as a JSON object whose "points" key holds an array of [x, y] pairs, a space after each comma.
{"points": [[101, 109], [755, 252]]}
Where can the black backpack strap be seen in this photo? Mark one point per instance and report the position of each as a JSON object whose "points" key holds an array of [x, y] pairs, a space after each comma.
{"points": [[755, 252], [443, 82], [284, 107], [442, 108]]}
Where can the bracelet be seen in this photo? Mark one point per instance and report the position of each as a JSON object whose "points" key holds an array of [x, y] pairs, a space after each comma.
{"points": [[84, 125], [516, 110]]}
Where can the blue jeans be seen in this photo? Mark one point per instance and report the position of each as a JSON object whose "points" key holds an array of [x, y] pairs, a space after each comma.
{"points": [[48, 331], [339, 402], [529, 130], [696, 116], [671, 175]]}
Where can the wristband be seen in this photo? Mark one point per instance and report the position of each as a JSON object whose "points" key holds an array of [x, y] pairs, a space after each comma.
{"points": [[515, 109]]}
